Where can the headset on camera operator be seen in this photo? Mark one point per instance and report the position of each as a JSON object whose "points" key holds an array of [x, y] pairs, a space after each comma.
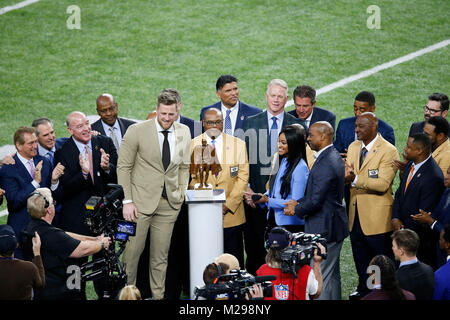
{"points": [[306, 283], [58, 246]]}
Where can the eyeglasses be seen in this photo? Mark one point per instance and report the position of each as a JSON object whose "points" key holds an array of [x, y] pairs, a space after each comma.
{"points": [[212, 123], [432, 111]]}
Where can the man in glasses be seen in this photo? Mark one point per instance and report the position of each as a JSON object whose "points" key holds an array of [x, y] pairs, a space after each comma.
{"points": [[437, 105], [231, 153]]}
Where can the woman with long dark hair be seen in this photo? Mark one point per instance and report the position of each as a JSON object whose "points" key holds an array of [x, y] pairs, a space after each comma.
{"points": [[289, 181], [386, 286]]}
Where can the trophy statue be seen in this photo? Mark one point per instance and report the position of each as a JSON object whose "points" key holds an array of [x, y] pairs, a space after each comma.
{"points": [[203, 161]]}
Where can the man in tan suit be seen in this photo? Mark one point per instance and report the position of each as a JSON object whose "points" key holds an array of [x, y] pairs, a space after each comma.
{"points": [[370, 173], [233, 178], [437, 128], [153, 169]]}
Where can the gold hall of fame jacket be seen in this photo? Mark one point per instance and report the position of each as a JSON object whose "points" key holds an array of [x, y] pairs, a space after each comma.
{"points": [[372, 192]]}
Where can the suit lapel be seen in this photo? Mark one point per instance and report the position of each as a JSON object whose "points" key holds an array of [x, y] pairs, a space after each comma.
{"points": [[371, 154], [417, 178], [21, 170]]}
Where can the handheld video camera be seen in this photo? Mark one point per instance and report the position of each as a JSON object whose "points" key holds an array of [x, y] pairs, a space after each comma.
{"points": [[234, 286], [301, 251], [104, 215]]}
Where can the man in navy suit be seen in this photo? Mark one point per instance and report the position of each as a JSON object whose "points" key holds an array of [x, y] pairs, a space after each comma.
{"points": [[345, 134], [47, 142], [442, 275], [29, 172], [305, 107], [260, 133], [110, 124], [235, 112], [322, 206], [421, 187], [437, 105]]}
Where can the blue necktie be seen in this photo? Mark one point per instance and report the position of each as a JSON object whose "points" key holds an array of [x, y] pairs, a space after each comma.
{"points": [[228, 129], [49, 156], [273, 136]]}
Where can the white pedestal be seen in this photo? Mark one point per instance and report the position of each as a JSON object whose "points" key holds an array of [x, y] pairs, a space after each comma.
{"points": [[205, 233]]}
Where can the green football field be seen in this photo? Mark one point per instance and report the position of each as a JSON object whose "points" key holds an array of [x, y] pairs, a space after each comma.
{"points": [[134, 49]]}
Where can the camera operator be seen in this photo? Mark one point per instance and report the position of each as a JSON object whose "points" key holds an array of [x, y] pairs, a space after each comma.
{"points": [[307, 285], [58, 247], [226, 264], [17, 277]]}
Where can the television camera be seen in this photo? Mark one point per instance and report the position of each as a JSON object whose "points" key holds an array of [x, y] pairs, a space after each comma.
{"points": [[234, 286], [104, 215], [301, 251]]}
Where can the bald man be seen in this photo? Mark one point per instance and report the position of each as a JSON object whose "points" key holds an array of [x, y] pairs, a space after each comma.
{"points": [[110, 124], [370, 174], [90, 164], [322, 206]]}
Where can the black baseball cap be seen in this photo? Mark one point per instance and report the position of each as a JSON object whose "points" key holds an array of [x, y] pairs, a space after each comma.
{"points": [[8, 240]]}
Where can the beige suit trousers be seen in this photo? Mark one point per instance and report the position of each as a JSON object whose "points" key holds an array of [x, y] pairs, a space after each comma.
{"points": [[160, 223]]}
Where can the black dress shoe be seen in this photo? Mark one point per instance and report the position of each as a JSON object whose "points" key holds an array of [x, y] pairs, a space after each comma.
{"points": [[355, 296]]}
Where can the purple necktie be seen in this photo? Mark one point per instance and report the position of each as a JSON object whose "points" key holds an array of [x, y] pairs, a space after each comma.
{"points": [[30, 163]]}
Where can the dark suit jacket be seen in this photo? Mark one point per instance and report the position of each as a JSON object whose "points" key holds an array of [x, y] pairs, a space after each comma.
{"points": [[245, 111], [417, 278], [256, 130], [123, 124], [16, 181], [75, 189], [319, 114], [195, 127], [424, 191], [345, 133], [417, 127], [322, 206]]}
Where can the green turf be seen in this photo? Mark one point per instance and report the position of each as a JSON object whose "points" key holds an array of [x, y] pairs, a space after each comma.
{"points": [[134, 49]]}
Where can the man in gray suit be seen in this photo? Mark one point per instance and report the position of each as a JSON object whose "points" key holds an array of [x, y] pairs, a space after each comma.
{"points": [[260, 133], [153, 169], [322, 206]]}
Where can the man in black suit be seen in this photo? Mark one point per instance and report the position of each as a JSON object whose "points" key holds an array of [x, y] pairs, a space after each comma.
{"points": [[305, 107], [437, 105], [234, 111], [412, 274], [322, 206], [261, 137], [110, 124], [90, 164], [421, 187]]}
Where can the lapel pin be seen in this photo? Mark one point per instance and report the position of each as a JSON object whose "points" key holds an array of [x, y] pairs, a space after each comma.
{"points": [[418, 176]]}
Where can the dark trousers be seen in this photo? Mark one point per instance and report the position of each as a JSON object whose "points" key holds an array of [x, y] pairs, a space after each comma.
{"points": [[364, 249], [427, 252], [233, 243], [254, 229]]}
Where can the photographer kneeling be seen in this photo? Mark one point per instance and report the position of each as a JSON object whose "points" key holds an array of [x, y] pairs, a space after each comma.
{"points": [[308, 281], [58, 247]]}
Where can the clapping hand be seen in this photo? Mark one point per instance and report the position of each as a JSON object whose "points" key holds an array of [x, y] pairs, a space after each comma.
{"points": [[104, 160]]}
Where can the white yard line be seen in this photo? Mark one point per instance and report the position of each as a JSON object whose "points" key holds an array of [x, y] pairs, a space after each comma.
{"points": [[384, 66], [17, 6]]}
